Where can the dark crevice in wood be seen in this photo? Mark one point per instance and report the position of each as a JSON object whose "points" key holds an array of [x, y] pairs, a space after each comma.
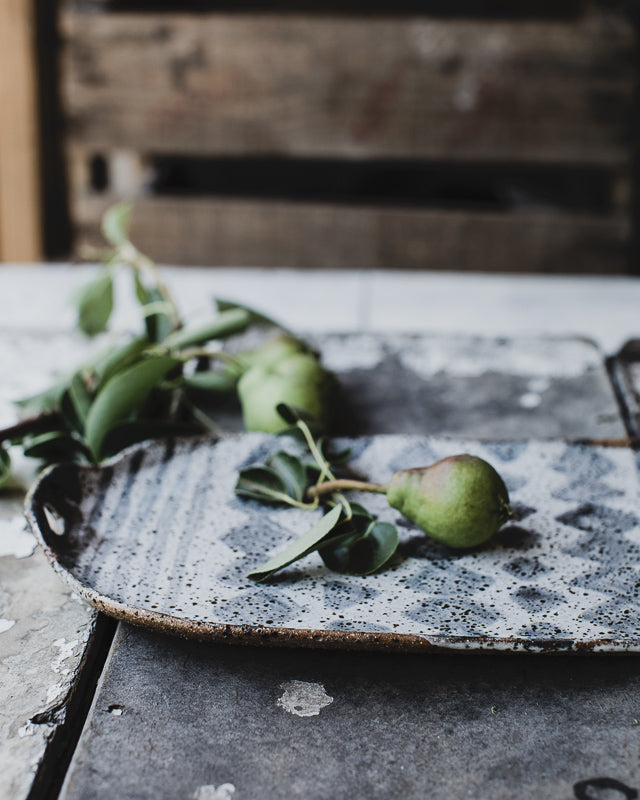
{"points": [[71, 715], [634, 113], [54, 204], [492, 9], [499, 187]]}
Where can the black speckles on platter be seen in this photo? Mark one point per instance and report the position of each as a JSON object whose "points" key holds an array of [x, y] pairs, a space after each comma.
{"points": [[158, 537]]}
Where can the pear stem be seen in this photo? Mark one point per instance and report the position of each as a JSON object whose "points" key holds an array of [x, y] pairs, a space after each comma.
{"points": [[339, 484]]}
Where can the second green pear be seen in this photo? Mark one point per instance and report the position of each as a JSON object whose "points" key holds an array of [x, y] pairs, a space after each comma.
{"points": [[298, 380]]}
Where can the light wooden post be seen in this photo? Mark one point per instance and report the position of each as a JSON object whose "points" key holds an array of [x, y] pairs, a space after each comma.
{"points": [[20, 217]]}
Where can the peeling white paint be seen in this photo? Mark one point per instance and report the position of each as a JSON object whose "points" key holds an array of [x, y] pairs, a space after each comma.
{"points": [[303, 699], [15, 539], [210, 792], [539, 385], [465, 357], [66, 651], [26, 730], [55, 692], [530, 400], [5, 624], [366, 353]]}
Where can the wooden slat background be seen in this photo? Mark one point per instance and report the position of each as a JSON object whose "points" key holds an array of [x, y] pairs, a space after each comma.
{"points": [[141, 85], [272, 234], [347, 87]]}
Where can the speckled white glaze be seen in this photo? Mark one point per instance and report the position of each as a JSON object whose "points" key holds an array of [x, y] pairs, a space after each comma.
{"points": [[160, 529]]}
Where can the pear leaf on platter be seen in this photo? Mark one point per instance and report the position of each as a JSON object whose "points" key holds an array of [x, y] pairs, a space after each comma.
{"points": [[300, 547], [261, 483], [364, 554], [291, 472]]}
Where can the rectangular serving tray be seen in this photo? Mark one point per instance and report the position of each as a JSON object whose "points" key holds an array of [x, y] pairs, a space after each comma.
{"points": [[158, 538]]}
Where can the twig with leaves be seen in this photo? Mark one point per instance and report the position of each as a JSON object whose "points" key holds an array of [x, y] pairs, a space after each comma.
{"points": [[348, 538], [162, 382]]}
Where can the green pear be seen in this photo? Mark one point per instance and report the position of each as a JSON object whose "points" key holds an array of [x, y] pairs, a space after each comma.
{"points": [[460, 501], [272, 351], [298, 380]]}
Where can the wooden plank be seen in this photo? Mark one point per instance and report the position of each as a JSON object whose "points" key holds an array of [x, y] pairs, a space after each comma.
{"points": [[20, 233], [351, 87], [273, 234]]}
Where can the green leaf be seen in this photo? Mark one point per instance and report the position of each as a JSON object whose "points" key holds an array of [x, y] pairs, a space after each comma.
{"points": [[335, 457], [364, 554], [44, 402], [301, 547], [225, 324], [94, 302], [254, 316], [293, 415], [291, 472], [115, 223], [25, 429], [360, 511], [157, 324], [123, 394], [54, 447], [216, 381], [80, 397], [261, 483], [5, 466], [120, 358]]}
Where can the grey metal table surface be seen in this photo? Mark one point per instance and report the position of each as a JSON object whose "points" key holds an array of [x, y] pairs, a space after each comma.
{"points": [[179, 719]]}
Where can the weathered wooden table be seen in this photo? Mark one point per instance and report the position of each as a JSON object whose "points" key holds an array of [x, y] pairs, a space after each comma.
{"points": [[91, 709]]}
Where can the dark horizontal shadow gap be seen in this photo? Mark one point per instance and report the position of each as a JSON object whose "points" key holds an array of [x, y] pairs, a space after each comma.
{"points": [[500, 187], [503, 9]]}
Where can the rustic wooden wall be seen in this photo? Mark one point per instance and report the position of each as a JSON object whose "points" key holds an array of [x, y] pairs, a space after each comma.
{"points": [[535, 97]]}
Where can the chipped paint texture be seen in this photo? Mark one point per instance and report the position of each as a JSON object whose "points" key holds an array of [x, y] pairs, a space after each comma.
{"points": [[303, 699], [15, 538], [32, 361], [44, 630], [39, 657], [223, 792], [466, 356]]}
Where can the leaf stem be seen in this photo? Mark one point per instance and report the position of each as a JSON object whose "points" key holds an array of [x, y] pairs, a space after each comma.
{"points": [[325, 467], [201, 352], [337, 485], [130, 254]]}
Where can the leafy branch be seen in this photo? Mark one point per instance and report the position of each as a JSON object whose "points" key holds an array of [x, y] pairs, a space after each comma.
{"points": [[165, 381], [348, 537]]}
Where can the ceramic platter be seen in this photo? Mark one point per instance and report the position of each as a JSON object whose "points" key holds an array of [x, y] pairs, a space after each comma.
{"points": [[158, 538]]}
